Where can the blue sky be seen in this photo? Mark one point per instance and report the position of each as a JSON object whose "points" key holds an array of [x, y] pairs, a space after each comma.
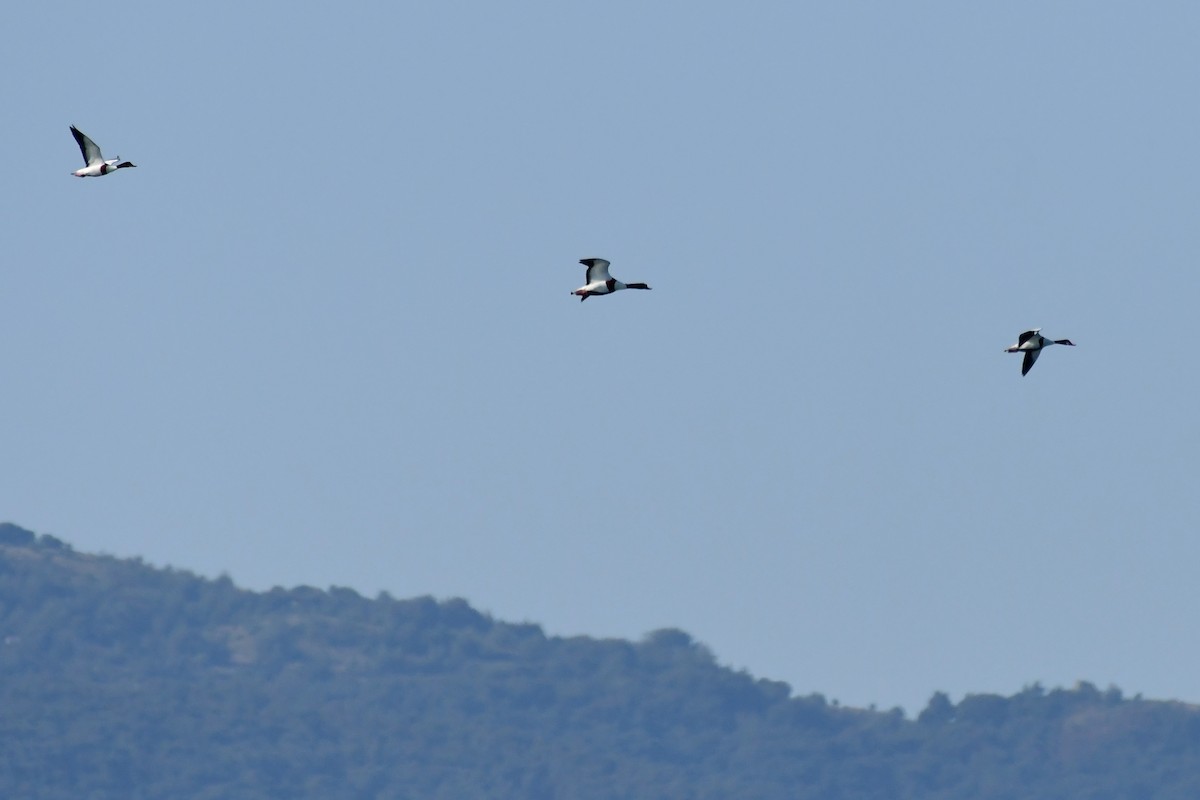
{"points": [[322, 335]]}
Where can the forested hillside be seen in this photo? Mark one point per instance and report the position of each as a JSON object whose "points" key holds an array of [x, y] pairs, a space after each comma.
{"points": [[119, 681]]}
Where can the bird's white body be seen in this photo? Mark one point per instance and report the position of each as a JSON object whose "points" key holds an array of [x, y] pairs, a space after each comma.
{"points": [[1031, 343], [599, 281], [94, 164], [96, 170], [601, 287]]}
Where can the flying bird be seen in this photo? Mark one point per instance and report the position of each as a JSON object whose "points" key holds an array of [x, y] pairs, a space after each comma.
{"points": [[599, 281], [94, 163], [1031, 343]]}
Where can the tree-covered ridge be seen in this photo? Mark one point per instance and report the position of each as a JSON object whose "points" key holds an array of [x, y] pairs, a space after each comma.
{"points": [[119, 680]]}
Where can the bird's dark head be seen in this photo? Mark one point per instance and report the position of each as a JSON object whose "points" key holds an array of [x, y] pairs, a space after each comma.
{"points": [[1067, 342], [126, 164], [636, 286]]}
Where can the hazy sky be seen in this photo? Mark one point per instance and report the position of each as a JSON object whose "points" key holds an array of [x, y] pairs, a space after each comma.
{"points": [[322, 334]]}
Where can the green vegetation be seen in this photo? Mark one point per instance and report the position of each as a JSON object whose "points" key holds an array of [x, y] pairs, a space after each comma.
{"points": [[119, 681]]}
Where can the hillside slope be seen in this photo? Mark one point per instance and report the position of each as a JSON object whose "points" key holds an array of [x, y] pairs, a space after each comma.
{"points": [[119, 680]]}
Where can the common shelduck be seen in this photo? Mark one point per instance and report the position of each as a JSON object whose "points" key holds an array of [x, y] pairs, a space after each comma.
{"points": [[599, 281], [1031, 343], [94, 163]]}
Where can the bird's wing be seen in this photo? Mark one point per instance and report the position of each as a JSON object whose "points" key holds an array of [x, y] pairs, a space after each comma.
{"points": [[91, 153], [597, 269], [1030, 357], [1026, 336]]}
